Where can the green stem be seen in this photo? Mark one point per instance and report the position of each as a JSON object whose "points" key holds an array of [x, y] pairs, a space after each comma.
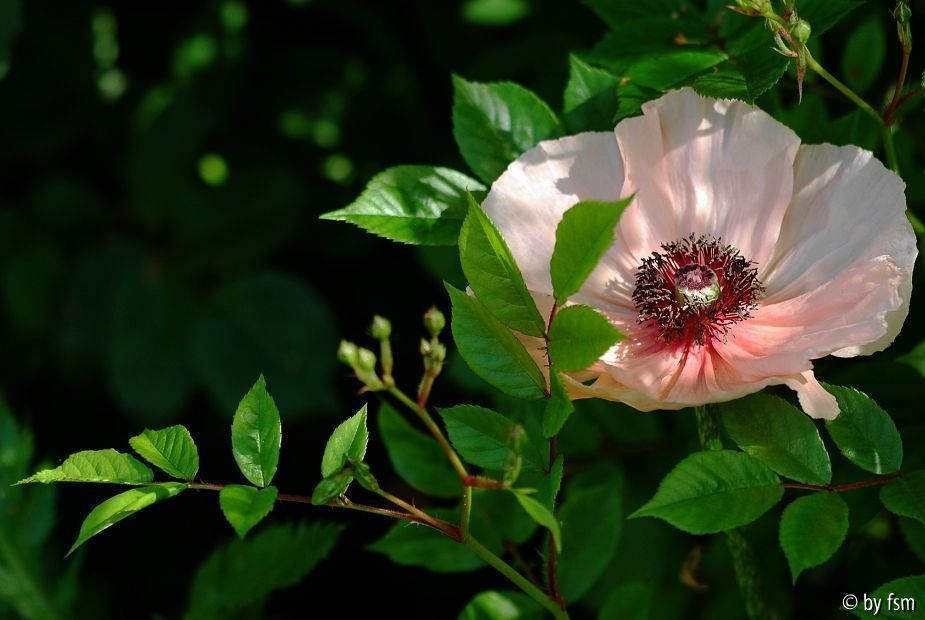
{"points": [[743, 558], [519, 580], [37, 603], [428, 421]]}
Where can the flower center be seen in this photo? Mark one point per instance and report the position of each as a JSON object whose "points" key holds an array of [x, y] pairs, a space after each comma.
{"points": [[695, 289]]}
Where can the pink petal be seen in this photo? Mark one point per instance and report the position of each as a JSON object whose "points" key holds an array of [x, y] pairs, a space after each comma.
{"points": [[814, 400], [706, 166], [847, 210], [526, 203]]}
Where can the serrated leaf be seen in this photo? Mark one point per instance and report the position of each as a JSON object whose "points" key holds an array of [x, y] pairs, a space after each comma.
{"points": [[590, 99], [171, 449], [416, 456], [245, 506], [347, 442], [332, 487], [558, 407], [494, 276], [423, 205], [244, 572], [899, 599], [864, 432], [96, 466], [714, 491], [582, 237], [592, 520], [494, 123], [256, 435], [418, 545], [542, 515], [578, 336], [905, 496], [650, 76], [122, 506], [491, 350], [823, 14], [779, 435], [484, 437], [812, 528]]}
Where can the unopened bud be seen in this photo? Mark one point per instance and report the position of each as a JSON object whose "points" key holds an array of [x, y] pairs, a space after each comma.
{"points": [[347, 353], [801, 30], [426, 348], [439, 353], [434, 321], [366, 360], [381, 329]]}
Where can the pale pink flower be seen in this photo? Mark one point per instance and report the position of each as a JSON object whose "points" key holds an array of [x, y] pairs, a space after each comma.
{"points": [[809, 244]]}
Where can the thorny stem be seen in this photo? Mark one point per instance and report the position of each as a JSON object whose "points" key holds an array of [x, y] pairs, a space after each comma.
{"points": [[743, 559], [885, 122], [465, 513], [522, 582], [552, 581]]}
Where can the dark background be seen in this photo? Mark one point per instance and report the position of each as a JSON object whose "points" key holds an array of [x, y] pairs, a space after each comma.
{"points": [[140, 288]]}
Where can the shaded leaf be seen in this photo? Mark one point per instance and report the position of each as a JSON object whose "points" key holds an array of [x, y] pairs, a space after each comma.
{"points": [[905, 496], [590, 99], [416, 456], [542, 515], [411, 544], [578, 336], [245, 506], [812, 528], [494, 605], [864, 432]]}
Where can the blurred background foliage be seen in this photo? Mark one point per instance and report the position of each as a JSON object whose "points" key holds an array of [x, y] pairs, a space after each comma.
{"points": [[162, 169]]}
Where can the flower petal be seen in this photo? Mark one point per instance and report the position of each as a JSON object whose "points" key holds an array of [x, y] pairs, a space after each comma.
{"points": [[526, 203], [814, 400], [847, 211], [707, 166]]}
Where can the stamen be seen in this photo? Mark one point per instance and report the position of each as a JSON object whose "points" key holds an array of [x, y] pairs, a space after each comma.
{"points": [[695, 290]]}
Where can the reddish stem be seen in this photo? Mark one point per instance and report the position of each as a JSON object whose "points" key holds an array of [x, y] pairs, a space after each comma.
{"points": [[483, 483], [851, 486]]}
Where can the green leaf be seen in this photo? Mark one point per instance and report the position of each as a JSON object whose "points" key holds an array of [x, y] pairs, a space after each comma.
{"points": [[121, 506], [905, 496], [493, 605], [648, 78], [245, 507], [812, 529], [714, 491], [558, 407], [865, 51], [410, 544], [590, 97], [823, 14], [244, 572], [745, 76], [423, 205], [256, 435], [898, 599], [578, 336], [416, 457], [484, 437], [864, 432], [332, 487], [495, 12], [96, 466], [494, 276], [779, 435], [491, 350], [494, 123], [347, 443], [172, 449], [542, 515], [583, 235], [592, 520]]}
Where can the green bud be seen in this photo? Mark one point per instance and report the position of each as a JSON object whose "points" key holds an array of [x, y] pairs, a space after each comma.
{"points": [[434, 321], [366, 360], [426, 348], [439, 352], [365, 477], [347, 353], [801, 30], [381, 329]]}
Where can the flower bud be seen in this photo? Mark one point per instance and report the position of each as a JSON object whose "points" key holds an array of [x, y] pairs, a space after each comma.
{"points": [[801, 30], [434, 321], [381, 329], [366, 360], [426, 348], [347, 353]]}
